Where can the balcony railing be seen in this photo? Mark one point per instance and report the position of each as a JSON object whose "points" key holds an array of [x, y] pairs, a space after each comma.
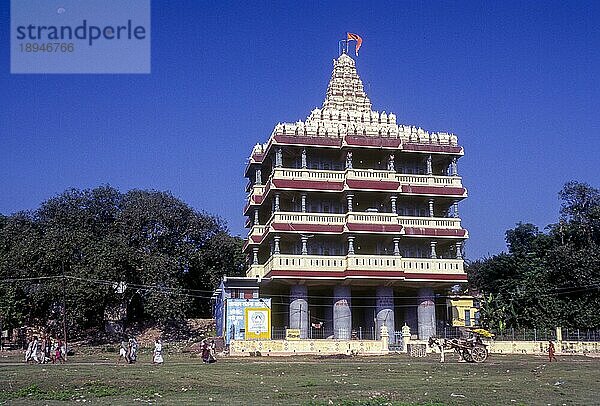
{"points": [[365, 174], [435, 222], [314, 218], [284, 262]]}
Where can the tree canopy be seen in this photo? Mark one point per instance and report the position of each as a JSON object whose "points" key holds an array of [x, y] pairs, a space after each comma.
{"points": [[547, 278], [83, 243]]}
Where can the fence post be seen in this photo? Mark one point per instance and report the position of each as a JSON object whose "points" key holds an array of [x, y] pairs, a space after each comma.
{"points": [[513, 333], [360, 333]]}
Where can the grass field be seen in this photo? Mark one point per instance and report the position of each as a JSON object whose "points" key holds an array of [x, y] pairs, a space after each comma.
{"points": [[393, 380]]}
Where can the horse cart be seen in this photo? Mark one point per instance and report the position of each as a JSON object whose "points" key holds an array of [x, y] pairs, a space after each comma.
{"points": [[471, 349]]}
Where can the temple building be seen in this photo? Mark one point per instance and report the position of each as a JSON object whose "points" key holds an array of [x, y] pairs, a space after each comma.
{"points": [[354, 219]]}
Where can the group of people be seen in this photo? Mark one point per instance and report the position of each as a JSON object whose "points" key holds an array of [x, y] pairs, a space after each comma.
{"points": [[45, 350], [129, 349]]}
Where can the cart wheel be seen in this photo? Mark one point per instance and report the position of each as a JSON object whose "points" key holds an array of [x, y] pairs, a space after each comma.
{"points": [[467, 356], [479, 354]]}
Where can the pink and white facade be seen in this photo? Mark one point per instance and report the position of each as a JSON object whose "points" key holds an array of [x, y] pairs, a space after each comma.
{"points": [[354, 218]]}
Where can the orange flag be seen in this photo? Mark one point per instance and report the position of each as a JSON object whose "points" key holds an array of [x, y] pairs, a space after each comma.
{"points": [[357, 38]]}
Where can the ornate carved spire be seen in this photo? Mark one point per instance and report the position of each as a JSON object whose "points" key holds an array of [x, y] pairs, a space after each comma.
{"points": [[345, 91]]}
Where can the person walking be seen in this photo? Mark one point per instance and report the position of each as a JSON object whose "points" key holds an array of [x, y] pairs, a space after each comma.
{"points": [[551, 351], [157, 355]]}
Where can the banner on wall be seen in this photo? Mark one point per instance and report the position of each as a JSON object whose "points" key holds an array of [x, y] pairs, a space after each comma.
{"points": [[257, 322]]}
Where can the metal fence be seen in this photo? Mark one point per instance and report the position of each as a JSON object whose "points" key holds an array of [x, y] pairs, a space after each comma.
{"points": [[359, 333]]}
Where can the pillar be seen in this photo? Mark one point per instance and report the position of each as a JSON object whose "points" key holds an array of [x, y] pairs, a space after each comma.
{"points": [[384, 306], [278, 157], [304, 239], [255, 256], [397, 246], [342, 315], [304, 166], [299, 309], [459, 250], [276, 250], [258, 177], [393, 199], [429, 165], [351, 245], [454, 167], [431, 208], [426, 313], [455, 209], [349, 198], [276, 204], [303, 200], [255, 217], [433, 253], [349, 160]]}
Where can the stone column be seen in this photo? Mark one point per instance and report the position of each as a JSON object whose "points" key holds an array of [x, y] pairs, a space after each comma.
{"points": [[384, 305], [255, 256], [455, 209], [276, 240], [454, 167], [433, 253], [299, 309], [426, 313], [278, 157], [258, 177], [397, 246], [304, 239], [350, 245], [431, 208], [393, 199], [459, 250], [304, 158], [349, 198], [342, 315], [303, 202], [255, 217], [276, 204], [429, 165]]}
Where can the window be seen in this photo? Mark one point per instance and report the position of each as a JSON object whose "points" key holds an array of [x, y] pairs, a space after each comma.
{"points": [[467, 318]]}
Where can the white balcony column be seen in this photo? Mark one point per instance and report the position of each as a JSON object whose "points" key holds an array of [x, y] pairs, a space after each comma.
{"points": [[429, 165], [349, 160], [349, 200], [396, 246], [351, 245], [426, 313], [255, 217], [258, 177], [278, 157], [276, 240], [384, 305], [393, 199], [455, 209], [304, 165], [459, 250], [342, 314], [303, 202], [391, 166], [454, 167], [299, 309], [304, 239], [431, 208], [255, 256], [433, 254], [276, 203]]}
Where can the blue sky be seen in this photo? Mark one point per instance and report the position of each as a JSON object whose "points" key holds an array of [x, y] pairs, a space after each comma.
{"points": [[518, 82]]}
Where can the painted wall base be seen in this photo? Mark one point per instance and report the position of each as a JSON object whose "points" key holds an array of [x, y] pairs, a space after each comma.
{"points": [[307, 347]]}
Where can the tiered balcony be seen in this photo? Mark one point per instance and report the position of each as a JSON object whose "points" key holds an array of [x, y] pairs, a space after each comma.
{"points": [[358, 222], [366, 179], [342, 267]]}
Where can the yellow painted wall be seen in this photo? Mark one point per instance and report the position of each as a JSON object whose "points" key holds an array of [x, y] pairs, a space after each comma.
{"points": [[458, 307], [297, 347]]}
